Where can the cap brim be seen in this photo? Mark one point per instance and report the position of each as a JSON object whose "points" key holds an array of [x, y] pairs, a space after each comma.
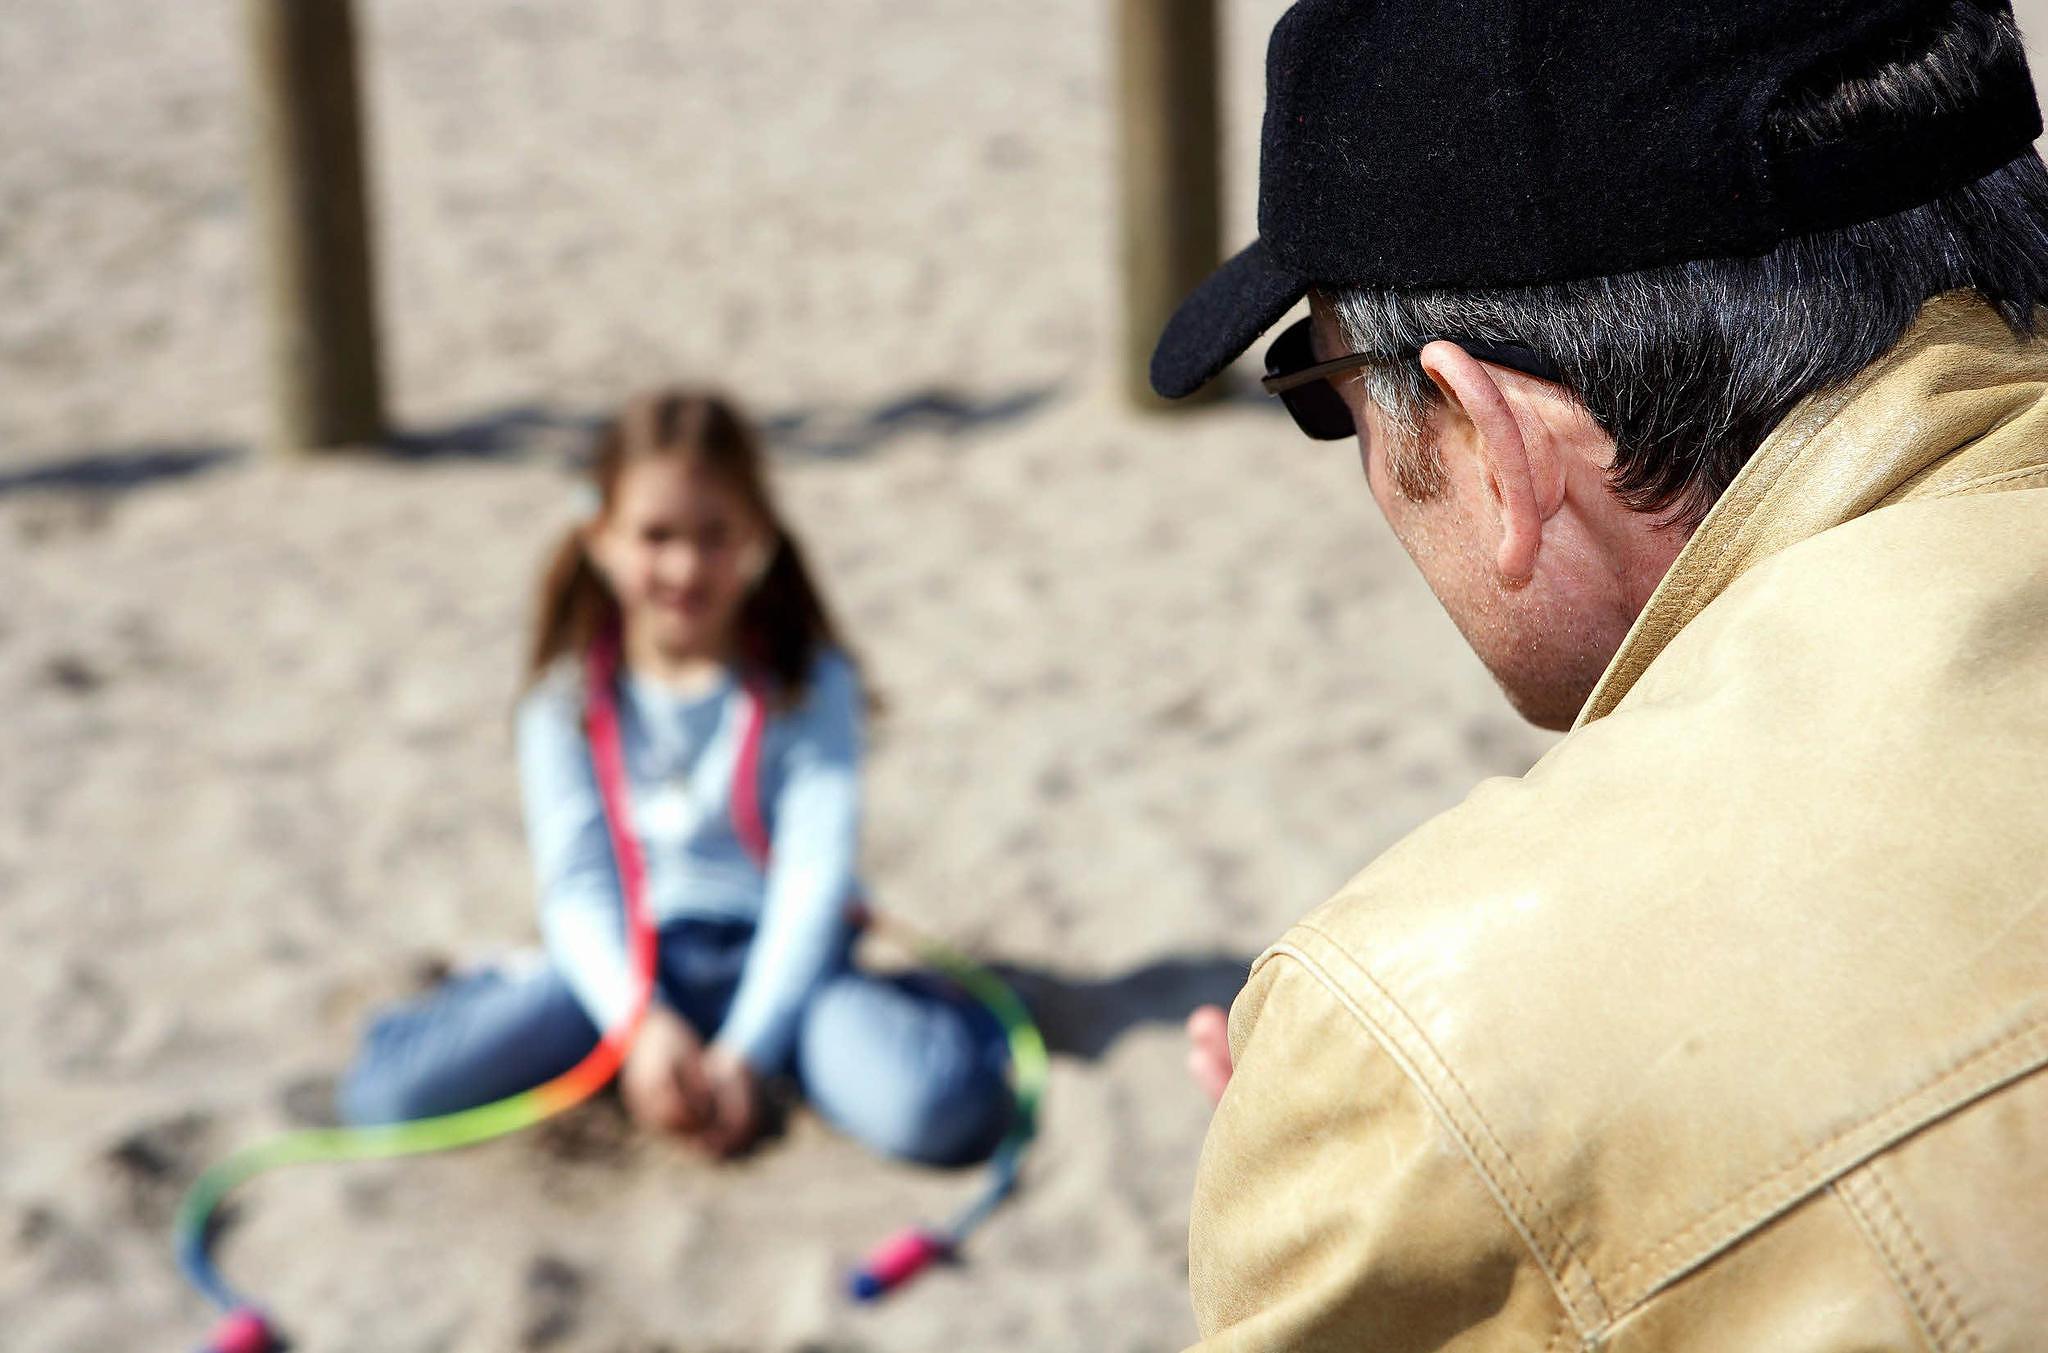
{"points": [[1224, 316]]}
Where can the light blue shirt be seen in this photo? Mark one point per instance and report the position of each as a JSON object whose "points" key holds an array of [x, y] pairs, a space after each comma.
{"points": [[680, 755]]}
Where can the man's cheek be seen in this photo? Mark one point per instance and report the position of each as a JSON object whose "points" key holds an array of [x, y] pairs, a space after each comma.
{"points": [[1390, 503]]}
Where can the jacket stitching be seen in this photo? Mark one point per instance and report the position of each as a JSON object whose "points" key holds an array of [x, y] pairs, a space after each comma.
{"points": [[1492, 1139], [1951, 1310], [1449, 1118], [1904, 1108], [1983, 481], [1526, 1227], [1874, 1230]]}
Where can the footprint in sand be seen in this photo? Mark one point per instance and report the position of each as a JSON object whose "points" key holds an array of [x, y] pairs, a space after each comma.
{"points": [[554, 1291], [151, 1165], [61, 1252], [597, 1133], [82, 1017], [72, 674]]}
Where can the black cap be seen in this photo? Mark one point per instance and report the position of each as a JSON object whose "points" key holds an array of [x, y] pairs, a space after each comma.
{"points": [[1416, 144]]}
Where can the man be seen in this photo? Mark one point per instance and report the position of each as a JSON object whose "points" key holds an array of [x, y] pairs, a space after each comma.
{"points": [[1690, 351]]}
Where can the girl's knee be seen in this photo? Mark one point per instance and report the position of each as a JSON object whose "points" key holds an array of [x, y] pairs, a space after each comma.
{"points": [[958, 1128], [389, 1081], [369, 1100], [906, 1078], [477, 1038], [929, 1125]]}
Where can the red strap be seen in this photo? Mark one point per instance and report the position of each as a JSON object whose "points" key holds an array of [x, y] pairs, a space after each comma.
{"points": [[608, 760], [746, 790], [746, 775], [602, 665]]}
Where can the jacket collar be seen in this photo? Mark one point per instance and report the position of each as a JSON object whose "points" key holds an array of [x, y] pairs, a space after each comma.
{"points": [[1958, 405]]}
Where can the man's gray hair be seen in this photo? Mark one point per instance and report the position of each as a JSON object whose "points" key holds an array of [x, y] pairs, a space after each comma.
{"points": [[1690, 366]]}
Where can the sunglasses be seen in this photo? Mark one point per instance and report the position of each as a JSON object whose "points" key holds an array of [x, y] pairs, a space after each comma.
{"points": [[1303, 383]]}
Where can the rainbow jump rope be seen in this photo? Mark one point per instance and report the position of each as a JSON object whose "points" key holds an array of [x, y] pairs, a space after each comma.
{"points": [[245, 1328]]}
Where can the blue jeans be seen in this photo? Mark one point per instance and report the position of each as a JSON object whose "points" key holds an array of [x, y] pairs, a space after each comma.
{"points": [[900, 1064]]}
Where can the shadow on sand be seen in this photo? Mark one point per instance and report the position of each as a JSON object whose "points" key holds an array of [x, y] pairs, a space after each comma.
{"points": [[116, 471], [517, 432], [538, 432], [533, 431], [1083, 1017], [832, 434]]}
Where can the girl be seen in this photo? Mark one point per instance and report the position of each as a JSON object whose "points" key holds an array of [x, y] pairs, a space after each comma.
{"points": [[687, 561]]}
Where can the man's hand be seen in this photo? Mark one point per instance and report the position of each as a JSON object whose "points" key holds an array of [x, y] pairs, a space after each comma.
{"points": [[735, 1092], [1209, 1050], [663, 1079]]}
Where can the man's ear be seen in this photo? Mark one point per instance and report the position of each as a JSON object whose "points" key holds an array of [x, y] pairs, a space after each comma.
{"points": [[1521, 464]]}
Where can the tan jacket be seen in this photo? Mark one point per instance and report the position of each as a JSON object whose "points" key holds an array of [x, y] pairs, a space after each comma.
{"points": [[1723, 1028]]}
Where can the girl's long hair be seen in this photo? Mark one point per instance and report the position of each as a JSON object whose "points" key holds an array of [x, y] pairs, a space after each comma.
{"points": [[783, 623]]}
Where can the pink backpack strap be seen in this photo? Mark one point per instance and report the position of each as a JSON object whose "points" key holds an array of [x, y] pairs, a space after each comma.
{"points": [[608, 762], [747, 823]]}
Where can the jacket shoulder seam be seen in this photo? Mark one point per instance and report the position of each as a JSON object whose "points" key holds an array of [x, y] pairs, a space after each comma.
{"points": [[1570, 1279]]}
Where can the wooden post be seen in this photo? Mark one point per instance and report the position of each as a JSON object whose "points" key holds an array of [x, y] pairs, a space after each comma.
{"points": [[313, 215], [1166, 65]]}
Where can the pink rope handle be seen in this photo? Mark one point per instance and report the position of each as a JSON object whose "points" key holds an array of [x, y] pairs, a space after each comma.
{"points": [[244, 1331], [897, 1260]]}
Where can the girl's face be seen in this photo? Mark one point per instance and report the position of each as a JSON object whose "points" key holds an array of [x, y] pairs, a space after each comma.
{"points": [[681, 550]]}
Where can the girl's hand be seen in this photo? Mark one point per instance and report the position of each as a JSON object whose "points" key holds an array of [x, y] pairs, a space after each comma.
{"points": [[663, 1080], [735, 1103]]}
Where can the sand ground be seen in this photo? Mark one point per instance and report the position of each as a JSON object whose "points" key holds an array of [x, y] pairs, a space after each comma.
{"points": [[1157, 685]]}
